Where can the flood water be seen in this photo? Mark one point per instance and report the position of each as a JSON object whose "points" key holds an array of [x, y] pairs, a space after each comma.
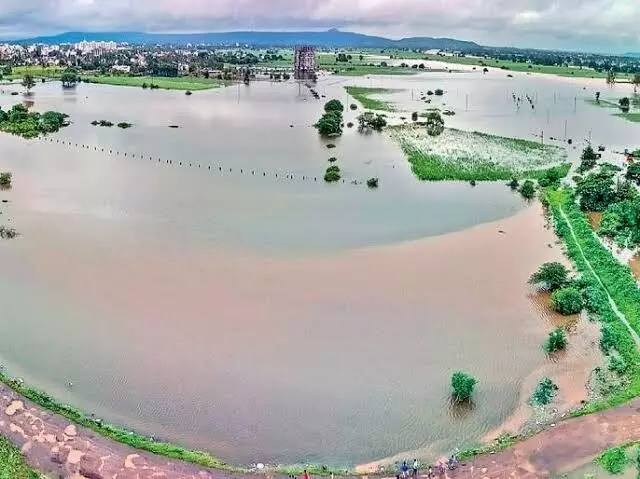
{"points": [[264, 318]]}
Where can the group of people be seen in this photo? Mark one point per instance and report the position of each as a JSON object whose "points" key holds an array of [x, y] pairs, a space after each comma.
{"points": [[440, 468]]}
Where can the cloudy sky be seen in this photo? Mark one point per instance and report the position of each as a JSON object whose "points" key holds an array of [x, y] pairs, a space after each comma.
{"points": [[594, 25]]}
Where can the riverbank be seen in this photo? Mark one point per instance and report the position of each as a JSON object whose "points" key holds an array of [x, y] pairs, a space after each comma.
{"points": [[165, 83]]}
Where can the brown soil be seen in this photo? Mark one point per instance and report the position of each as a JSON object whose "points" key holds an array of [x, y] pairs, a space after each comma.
{"points": [[56, 447]]}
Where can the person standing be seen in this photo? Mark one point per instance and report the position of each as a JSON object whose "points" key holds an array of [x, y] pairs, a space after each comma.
{"points": [[416, 466], [305, 474], [405, 468]]}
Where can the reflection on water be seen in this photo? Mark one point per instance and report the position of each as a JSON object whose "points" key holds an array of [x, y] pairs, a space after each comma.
{"points": [[263, 319]]}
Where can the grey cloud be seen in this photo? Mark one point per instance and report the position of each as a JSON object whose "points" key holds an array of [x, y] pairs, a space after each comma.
{"points": [[604, 24]]}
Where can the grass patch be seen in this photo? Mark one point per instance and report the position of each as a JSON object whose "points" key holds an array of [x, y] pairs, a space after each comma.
{"points": [[614, 460], [363, 95], [18, 72], [115, 433], [466, 156], [633, 117], [166, 83], [566, 71], [12, 464]]}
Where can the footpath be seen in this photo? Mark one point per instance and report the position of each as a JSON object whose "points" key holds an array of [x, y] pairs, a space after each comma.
{"points": [[59, 449]]}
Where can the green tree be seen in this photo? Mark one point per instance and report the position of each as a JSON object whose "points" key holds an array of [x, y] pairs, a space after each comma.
{"points": [[552, 276], [624, 104], [596, 190], [557, 340], [633, 172], [434, 124], [332, 174], [462, 384], [611, 77], [330, 124], [69, 78], [567, 301], [588, 159], [333, 105], [528, 190], [5, 179], [28, 82], [635, 80]]}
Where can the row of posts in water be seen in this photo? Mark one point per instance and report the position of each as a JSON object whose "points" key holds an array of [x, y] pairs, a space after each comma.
{"points": [[220, 169]]}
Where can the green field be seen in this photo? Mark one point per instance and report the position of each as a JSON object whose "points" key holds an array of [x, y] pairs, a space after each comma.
{"points": [[12, 465], [632, 117], [567, 71], [166, 83], [363, 95], [17, 73]]}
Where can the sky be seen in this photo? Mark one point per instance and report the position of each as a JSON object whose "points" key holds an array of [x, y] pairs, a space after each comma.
{"points": [[608, 26]]}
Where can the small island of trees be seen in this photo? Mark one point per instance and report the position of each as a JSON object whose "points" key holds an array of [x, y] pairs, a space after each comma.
{"points": [[330, 124], [29, 124]]}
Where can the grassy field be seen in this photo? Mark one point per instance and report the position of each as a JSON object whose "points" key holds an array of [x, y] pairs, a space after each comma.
{"points": [[632, 117], [567, 71], [39, 72], [12, 465], [167, 83], [363, 95], [465, 156]]}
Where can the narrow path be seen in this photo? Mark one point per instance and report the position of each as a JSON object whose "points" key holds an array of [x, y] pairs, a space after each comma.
{"points": [[614, 306]]}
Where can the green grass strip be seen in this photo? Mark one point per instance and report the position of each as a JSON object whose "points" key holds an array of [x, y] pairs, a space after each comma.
{"points": [[115, 433], [12, 464], [166, 83], [363, 95]]}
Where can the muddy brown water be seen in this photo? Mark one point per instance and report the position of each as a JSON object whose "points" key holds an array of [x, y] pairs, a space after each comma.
{"points": [[261, 319]]}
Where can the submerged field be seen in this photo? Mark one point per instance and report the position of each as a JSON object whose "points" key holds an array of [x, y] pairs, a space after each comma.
{"points": [[464, 155], [363, 96], [166, 83]]}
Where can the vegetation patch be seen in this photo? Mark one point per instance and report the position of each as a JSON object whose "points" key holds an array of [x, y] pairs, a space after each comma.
{"points": [[115, 433], [614, 460], [12, 463], [30, 124], [105, 123], [544, 393], [5, 179], [633, 117], [166, 83], [124, 125], [463, 155], [363, 95]]}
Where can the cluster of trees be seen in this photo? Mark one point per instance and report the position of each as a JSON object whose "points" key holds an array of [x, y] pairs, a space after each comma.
{"points": [[20, 121], [332, 174], [368, 121], [330, 124], [434, 123], [567, 297]]}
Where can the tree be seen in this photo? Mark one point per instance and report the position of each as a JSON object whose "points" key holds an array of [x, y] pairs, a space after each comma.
{"points": [[552, 276], [333, 105], [513, 184], [588, 159], [596, 190], [528, 190], [69, 78], [611, 77], [434, 124], [635, 80], [557, 340], [438, 92], [371, 121], [414, 116], [624, 104], [28, 82], [372, 182], [332, 174], [567, 301], [633, 172], [5, 179], [330, 124], [462, 384]]}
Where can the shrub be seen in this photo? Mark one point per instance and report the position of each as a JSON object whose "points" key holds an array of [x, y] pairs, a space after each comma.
{"points": [[614, 460], [5, 179], [544, 393], [462, 384], [552, 276], [528, 190], [414, 116], [330, 124], [188, 93], [588, 159], [372, 182], [124, 125], [333, 106], [567, 301], [333, 159], [434, 123], [438, 92], [331, 176], [350, 124], [353, 106], [429, 92], [513, 184], [557, 340]]}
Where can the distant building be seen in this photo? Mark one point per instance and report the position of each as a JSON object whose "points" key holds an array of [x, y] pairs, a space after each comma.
{"points": [[304, 63]]}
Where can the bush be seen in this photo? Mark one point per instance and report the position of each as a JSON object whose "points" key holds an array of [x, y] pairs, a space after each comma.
{"points": [[124, 125], [588, 159], [567, 301], [333, 159], [552, 276], [544, 393], [438, 92], [414, 116], [557, 340], [462, 384], [330, 124], [434, 123], [614, 460], [5, 179], [332, 176], [372, 182], [353, 106], [333, 106], [528, 190], [188, 92]]}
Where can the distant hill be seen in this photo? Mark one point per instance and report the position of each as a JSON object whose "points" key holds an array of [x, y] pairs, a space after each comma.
{"points": [[332, 38], [634, 55]]}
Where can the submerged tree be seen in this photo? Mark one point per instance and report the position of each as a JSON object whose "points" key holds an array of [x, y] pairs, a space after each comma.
{"points": [[28, 82], [557, 340], [567, 301], [528, 190], [434, 123], [624, 104], [462, 384], [69, 78], [596, 190], [588, 159], [552, 276], [5, 179], [333, 105]]}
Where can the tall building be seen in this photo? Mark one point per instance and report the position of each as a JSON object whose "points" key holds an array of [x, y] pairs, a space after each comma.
{"points": [[304, 63]]}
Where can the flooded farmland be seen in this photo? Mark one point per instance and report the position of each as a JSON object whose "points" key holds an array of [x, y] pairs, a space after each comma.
{"points": [[191, 294]]}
